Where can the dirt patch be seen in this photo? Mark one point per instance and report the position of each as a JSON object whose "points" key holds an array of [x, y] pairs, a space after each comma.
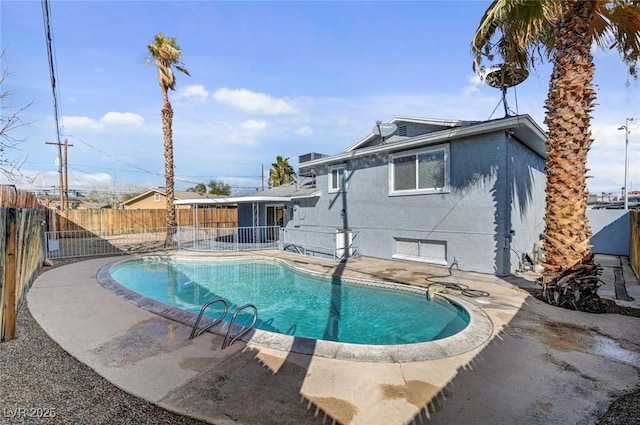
{"points": [[624, 411], [143, 340], [609, 307], [341, 410], [418, 393]]}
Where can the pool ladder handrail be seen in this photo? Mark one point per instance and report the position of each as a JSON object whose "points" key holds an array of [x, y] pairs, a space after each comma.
{"points": [[233, 320], [195, 332]]}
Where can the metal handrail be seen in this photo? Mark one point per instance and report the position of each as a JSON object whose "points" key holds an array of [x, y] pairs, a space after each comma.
{"points": [[195, 332], [245, 330]]}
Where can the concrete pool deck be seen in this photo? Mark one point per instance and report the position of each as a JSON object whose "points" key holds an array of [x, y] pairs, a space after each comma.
{"points": [[538, 361]]}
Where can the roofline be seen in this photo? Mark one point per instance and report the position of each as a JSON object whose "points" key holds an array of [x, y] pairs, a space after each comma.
{"points": [[509, 123], [401, 118], [147, 192], [243, 199]]}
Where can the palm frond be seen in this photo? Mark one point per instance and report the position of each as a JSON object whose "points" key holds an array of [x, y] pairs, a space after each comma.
{"points": [[183, 70], [166, 54], [519, 32], [618, 27]]}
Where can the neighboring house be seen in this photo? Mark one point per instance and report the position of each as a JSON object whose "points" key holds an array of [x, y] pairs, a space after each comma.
{"points": [[156, 198], [442, 192], [270, 207]]}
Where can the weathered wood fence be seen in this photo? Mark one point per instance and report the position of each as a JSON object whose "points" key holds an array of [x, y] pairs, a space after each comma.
{"points": [[113, 222], [22, 221], [11, 197], [634, 250]]}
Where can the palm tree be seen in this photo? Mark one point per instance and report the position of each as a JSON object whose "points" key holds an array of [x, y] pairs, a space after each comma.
{"points": [[166, 55], [525, 33], [281, 172]]}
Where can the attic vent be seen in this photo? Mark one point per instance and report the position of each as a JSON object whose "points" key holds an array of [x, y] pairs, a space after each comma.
{"points": [[402, 130]]}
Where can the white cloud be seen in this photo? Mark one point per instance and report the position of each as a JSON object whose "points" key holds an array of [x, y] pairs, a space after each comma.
{"points": [[71, 99], [240, 140], [82, 123], [126, 119], [304, 131], [607, 156], [472, 87], [34, 180], [197, 93], [254, 125], [249, 101], [122, 118]]}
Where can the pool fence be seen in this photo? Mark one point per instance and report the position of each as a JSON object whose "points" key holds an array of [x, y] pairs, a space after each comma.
{"points": [[336, 245]]}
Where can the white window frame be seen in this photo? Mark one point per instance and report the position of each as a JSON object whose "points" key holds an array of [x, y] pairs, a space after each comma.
{"points": [[157, 197], [416, 152], [333, 168]]}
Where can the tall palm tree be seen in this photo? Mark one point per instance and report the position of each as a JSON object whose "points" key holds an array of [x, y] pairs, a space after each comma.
{"points": [[166, 55], [281, 172], [525, 33]]}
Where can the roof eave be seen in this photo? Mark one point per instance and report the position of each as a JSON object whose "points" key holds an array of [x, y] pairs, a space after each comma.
{"points": [[527, 131], [416, 120]]}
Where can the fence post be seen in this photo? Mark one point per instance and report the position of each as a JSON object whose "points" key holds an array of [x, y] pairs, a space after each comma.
{"points": [[9, 278]]}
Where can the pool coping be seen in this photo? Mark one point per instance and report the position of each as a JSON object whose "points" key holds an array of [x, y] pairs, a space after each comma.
{"points": [[478, 331]]}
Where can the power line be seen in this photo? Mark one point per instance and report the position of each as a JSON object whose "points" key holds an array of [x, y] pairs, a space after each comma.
{"points": [[121, 161], [147, 171], [46, 14], [62, 161]]}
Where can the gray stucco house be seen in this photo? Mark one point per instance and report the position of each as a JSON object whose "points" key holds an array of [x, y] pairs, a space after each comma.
{"points": [[437, 191], [442, 192]]}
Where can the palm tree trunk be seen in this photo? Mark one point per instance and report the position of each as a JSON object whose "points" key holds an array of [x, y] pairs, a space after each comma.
{"points": [[571, 276], [167, 119]]}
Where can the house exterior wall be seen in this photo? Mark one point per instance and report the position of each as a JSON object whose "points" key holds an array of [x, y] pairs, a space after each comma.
{"points": [[610, 231], [245, 215], [473, 218], [527, 183], [149, 202]]}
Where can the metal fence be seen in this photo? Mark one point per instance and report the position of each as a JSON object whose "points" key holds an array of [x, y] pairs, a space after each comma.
{"points": [[83, 243], [337, 245], [228, 239]]}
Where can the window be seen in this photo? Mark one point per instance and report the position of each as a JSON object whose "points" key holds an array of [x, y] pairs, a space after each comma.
{"points": [[157, 197], [336, 178], [424, 171]]}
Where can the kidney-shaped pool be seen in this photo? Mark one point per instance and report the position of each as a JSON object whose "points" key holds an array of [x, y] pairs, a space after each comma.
{"points": [[299, 304]]}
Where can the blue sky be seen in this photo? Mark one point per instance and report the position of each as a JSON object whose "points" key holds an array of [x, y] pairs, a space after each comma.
{"points": [[267, 79]]}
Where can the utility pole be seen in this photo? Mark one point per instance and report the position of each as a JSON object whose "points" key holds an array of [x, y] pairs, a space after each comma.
{"points": [[66, 176], [60, 204], [262, 176], [63, 201], [625, 127]]}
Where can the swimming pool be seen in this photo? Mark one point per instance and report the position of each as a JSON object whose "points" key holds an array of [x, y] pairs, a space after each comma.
{"points": [[300, 309]]}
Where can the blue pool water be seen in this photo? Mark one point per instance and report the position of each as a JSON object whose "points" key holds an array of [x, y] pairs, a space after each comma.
{"points": [[294, 303]]}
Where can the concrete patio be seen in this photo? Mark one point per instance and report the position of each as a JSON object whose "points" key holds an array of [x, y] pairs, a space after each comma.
{"points": [[542, 365]]}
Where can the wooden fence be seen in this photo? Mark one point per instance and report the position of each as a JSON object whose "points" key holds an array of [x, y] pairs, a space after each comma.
{"points": [[14, 198], [22, 255], [634, 249], [113, 222], [22, 219]]}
